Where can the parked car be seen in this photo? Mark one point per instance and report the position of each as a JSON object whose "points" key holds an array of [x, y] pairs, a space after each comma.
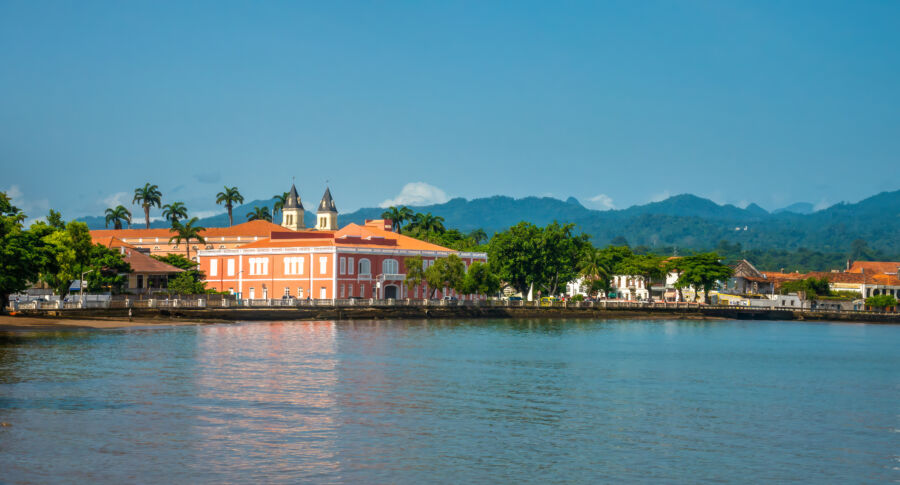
{"points": [[513, 298], [450, 298], [548, 300]]}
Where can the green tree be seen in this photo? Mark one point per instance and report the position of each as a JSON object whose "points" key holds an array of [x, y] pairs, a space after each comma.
{"points": [[260, 214], [559, 253], [881, 301], [593, 268], [116, 215], [189, 266], [174, 211], [68, 254], [183, 284], [700, 271], [397, 216], [446, 272], [513, 255], [647, 266], [478, 236], [811, 287], [279, 203], [19, 262], [108, 270], [55, 220], [147, 196], [415, 274], [526, 255], [479, 280], [427, 223], [186, 232], [229, 197]]}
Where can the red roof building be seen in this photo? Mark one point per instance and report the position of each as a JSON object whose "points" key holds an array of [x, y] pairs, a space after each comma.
{"points": [[355, 261], [147, 274]]}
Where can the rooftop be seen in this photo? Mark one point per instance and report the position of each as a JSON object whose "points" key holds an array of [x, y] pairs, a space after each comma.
{"points": [[871, 267], [351, 235], [256, 228]]}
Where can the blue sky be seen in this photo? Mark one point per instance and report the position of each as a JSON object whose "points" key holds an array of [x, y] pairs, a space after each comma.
{"points": [[615, 103]]}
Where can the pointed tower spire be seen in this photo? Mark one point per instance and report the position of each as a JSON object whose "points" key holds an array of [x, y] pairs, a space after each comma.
{"points": [[326, 216], [292, 213]]}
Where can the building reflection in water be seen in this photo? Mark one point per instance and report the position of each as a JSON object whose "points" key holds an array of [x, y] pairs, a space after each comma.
{"points": [[268, 391]]}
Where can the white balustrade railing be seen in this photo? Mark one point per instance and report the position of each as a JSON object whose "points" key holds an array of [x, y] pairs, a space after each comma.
{"points": [[201, 302]]}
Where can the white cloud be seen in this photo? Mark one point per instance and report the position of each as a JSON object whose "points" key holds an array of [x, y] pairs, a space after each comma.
{"points": [[33, 208], [417, 193], [602, 201], [204, 214], [665, 194], [117, 199]]}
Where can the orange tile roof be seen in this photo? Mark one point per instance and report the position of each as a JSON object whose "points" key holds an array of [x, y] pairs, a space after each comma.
{"points": [[141, 263], [372, 233], [110, 242], [248, 229], [351, 235], [871, 267]]}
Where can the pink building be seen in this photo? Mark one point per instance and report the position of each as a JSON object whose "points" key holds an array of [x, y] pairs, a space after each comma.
{"points": [[355, 261]]}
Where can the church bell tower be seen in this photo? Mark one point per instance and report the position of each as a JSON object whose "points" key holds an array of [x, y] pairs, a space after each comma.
{"points": [[292, 212], [326, 216]]}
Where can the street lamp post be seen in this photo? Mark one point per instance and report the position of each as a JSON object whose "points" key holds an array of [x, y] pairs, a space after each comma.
{"points": [[81, 288]]}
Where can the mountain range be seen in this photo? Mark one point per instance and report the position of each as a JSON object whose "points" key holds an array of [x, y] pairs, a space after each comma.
{"points": [[685, 221]]}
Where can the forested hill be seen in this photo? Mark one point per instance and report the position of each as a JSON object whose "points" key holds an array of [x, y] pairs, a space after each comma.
{"points": [[684, 221]]}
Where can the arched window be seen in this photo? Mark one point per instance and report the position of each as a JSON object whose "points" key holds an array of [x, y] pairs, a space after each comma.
{"points": [[390, 266], [365, 267]]}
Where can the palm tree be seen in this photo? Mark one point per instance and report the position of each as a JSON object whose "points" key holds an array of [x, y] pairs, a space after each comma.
{"points": [[593, 268], [230, 196], [174, 211], [279, 203], [260, 214], [185, 232], [478, 235], [117, 215], [397, 216], [429, 222], [147, 196]]}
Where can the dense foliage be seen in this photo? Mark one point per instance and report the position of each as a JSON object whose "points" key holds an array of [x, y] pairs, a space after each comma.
{"points": [[811, 287], [190, 282], [53, 252], [881, 301]]}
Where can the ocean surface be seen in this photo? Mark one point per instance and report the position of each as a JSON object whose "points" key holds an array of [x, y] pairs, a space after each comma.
{"points": [[488, 401]]}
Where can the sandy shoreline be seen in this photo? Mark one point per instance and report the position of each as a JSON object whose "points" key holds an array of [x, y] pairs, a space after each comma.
{"points": [[22, 323]]}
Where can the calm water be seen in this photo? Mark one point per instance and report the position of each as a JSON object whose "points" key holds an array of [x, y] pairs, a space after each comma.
{"points": [[425, 402]]}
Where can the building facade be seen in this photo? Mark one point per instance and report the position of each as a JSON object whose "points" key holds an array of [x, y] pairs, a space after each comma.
{"points": [[367, 261]]}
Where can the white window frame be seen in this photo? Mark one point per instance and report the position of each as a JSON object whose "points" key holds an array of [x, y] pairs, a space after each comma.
{"points": [[323, 264], [390, 266], [213, 267], [230, 265], [343, 267], [368, 264], [350, 266]]}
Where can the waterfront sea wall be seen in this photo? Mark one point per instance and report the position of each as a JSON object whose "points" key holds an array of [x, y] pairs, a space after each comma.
{"points": [[400, 311]]}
